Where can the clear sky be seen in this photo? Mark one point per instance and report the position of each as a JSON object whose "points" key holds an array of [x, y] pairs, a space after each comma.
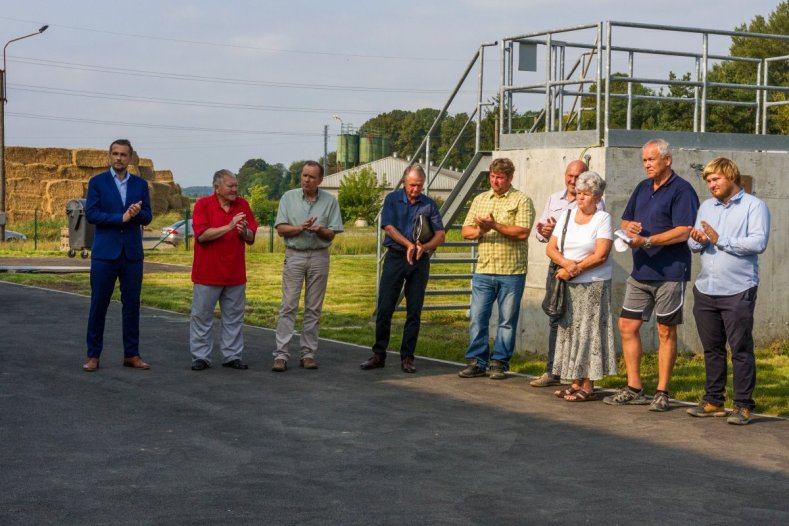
{"points": [[203, 85]]}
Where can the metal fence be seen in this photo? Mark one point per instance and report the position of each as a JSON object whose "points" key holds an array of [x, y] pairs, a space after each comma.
{"points": [[566, 86]]}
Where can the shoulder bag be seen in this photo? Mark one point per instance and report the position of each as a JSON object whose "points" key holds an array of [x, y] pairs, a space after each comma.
{"points": [[554, 302]]}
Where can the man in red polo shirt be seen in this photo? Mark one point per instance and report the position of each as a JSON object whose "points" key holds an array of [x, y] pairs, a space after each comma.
{"points": [[223, 223]]}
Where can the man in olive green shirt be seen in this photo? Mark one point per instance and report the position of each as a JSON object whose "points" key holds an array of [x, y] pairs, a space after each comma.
{"points": [[307, 219], [500, 221]]}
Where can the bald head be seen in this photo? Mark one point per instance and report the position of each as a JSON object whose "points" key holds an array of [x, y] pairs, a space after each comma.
{"points": [[571, 173]]}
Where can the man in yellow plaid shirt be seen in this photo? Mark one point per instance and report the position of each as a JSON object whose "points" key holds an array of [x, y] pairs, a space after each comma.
{"points": [[500, 221]]}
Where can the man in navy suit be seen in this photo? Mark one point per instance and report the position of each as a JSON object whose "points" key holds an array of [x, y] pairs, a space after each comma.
{"points": [[119, 205]]}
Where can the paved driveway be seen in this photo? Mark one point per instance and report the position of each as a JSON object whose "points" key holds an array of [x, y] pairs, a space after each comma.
{"points": [[340, 445]]}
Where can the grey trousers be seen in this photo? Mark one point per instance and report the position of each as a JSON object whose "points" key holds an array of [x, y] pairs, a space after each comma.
{"points": [[232, 301], [309, 268]]}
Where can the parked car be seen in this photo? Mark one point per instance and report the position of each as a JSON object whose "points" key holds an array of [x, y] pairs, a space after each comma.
{"points": [[174, 234], [10, 235]]}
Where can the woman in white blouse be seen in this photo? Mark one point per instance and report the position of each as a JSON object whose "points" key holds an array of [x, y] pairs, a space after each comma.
{"points": [[585, 340]]}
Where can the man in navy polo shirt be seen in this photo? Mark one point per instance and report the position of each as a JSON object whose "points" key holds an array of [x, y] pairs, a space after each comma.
{"points": [[407, 262], [659, 217]]}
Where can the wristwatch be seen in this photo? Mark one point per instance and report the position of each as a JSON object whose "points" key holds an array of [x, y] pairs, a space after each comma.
{"points": [[648, 243]]}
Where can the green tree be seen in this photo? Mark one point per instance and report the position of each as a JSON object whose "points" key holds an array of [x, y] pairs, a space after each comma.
{"points": [[671, 115], [390, 124], [414, 128], [331, 165], [643, 112], [464, 149], [294, 174], [248, 172], [275, 178], [360, 196], [261, 205], [738, 119]]}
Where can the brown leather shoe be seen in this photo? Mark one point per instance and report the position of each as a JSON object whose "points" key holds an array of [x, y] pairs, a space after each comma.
{"points": [[309, 363], [407, 364], [375, 361], [280, 365], [91, 365], [135, 362]]}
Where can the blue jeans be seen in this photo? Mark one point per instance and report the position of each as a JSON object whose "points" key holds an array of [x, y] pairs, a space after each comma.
{"points": [[506, 291]]}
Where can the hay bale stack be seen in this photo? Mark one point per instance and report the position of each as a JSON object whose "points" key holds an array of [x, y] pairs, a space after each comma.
{"points": [[24, 185], [178, 202], [76, 173], [65, 188], [48, 178], [19, 216], [38, 171], [160, 194], [56, 206], [163, 176], [146, 172], [59, 192], [25, 155], [24, 201], [93, 158]]}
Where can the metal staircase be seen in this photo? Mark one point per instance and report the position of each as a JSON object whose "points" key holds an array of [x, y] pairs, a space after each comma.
{"points": [[443, 284]]}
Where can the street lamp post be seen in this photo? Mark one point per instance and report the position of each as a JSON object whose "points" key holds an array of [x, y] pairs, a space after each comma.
{"points": [[345, 145], [2, 132]]}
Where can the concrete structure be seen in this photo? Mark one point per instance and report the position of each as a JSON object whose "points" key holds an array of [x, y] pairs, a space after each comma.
{"points": [[389, 171], [539, 171]]}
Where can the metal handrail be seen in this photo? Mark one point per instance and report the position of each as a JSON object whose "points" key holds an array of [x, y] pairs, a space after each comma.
{"points": [[554, 83]]}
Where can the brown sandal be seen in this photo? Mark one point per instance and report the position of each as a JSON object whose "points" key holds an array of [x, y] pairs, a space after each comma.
{"points": [[580, 396], [561, 393]]}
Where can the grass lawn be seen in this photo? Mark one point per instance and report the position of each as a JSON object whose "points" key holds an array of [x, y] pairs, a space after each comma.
{"points": [[350, 299]]}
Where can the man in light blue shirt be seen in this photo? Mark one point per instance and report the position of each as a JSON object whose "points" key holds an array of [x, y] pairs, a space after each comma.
{"points": [[731, 230]]}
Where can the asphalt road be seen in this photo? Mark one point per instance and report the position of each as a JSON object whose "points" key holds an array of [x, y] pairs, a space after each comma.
{"points": [[340, 445]]}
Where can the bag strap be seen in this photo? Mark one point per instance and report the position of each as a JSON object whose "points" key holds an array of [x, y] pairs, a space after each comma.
{"points": [[564, 231]]}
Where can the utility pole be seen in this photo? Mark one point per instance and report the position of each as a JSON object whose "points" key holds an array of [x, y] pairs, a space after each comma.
{"points": [[325, 149], [2, 132]]}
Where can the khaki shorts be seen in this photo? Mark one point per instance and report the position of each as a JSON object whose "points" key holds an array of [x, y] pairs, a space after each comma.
{"points": [[666, 298]]}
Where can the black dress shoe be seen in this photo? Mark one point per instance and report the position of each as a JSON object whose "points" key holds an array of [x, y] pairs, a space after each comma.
{"points": [[376, 361], [236, 364], [407, 364], [199, 365]]}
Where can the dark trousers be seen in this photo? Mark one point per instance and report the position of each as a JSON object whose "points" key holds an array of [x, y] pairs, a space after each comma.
{"points": [[720, 319], [553, 324], [396, 274], [103, 275]]}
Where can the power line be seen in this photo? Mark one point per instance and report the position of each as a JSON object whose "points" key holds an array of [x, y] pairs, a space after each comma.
{"points": [[237, 46], [179, 102], [160, 126], [214, 80]]}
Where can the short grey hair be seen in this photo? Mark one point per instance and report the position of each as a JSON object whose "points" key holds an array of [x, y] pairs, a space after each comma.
{"points": [[220, 176], [663, 147], [414, 168], [592, 182]]}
